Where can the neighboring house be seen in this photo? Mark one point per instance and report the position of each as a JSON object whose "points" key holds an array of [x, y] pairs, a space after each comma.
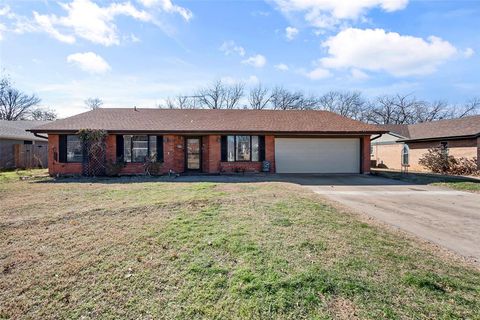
{"points": [[458, 137], [215, 141], [19, 148]]}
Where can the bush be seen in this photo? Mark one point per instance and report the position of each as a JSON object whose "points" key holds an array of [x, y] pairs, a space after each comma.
{"points": [[152, 167], [112, 169], [439, 162]]}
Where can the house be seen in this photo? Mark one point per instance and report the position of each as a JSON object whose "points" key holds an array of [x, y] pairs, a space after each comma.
{"points": [[19, 148], [216, 141], [458, 137]]}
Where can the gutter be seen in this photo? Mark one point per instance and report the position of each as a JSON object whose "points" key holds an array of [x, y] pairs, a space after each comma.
{"points": [[39, 136], [472, 136], [375, 138]]}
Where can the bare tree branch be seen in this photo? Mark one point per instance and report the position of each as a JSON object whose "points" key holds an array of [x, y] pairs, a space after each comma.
{"points": [[259, 97]]}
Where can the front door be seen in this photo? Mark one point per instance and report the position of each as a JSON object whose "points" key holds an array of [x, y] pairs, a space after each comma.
{"points": [[193, 153]]}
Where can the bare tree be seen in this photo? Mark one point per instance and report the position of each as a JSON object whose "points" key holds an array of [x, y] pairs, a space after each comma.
{"points": [[43, 114], [213, 97], [221, 96], [233, 94], [181, 102], [93, 103], [282, 99], [259, 97], [471, 107], [348, 104], [15, 104]]}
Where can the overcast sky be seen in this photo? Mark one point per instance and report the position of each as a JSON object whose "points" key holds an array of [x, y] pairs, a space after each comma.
{"points": [[139, 52]]}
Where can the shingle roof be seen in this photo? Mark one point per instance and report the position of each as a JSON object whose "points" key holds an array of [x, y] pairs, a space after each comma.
{"points": [[468, 126], [398, 129], [17, 129], [203, 120]]}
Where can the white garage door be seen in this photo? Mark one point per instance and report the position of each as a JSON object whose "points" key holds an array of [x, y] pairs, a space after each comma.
{"points": [[312, 155]]}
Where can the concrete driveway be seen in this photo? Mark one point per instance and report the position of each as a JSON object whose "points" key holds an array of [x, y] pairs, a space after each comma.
{"points": [[446, 217]]}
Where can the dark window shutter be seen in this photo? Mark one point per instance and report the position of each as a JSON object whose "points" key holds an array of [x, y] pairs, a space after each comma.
{"points": [[261, 148], [120, 147], [224, 148], [160, 148], [62, 148]]}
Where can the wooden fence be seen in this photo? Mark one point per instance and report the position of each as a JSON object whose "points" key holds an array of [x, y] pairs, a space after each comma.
{"points": [[30, 155]]}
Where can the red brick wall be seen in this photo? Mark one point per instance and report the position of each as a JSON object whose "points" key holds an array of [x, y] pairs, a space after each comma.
{"points": [[173, 153], [55, 167], [212, 162], [240, 166], [270, 151], [478, 153], [365, 156]]}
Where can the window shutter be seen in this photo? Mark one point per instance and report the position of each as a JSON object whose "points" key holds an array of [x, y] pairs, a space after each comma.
{"points": [[62, 148], [224, 149], [261, 148], [160, 148], [120, 147]]}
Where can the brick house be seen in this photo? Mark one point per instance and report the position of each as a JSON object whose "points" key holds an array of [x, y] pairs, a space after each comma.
{"points": [[216, 141], [459, 137]]}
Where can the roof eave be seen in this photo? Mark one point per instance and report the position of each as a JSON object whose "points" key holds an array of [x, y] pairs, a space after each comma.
{"points": [[67, 131], [471, 136]]}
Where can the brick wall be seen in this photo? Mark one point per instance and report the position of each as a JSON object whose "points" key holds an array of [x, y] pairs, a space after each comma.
{"points": [[55, 167], [365, 156], [270, 151], [240, 166], [478, 153], [214, 158], [388, 155]]}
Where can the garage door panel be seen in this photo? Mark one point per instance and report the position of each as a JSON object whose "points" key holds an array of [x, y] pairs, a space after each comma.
{"points": [[315, 155]]}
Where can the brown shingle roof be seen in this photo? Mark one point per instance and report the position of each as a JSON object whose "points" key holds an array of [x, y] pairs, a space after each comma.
{"points": [[398, 129], [203, 120], [468, 126]]}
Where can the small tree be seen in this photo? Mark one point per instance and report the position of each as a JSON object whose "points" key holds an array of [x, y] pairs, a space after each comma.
{"points": [[93, 103]]}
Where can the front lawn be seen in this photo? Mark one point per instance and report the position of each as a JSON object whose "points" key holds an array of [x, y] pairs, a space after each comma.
{"points": [[148, 248]]}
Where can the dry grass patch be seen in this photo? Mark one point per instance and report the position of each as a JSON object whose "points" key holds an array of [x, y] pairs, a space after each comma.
{"points": [[147, 248]]}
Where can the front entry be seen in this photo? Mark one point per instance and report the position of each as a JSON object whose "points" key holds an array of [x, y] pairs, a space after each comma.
{"points": [[193, 152]]}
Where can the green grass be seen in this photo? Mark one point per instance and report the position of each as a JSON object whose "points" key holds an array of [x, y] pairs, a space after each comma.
{"points": [[464, 186], [153, 249]]}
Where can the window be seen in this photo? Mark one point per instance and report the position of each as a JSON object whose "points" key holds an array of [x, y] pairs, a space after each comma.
{"points": [[137, 148], [444, 148], [74, 149], [405, 155], [241, 148]]}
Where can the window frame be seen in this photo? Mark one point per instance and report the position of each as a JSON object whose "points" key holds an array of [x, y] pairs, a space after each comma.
{"points": [[66, 148], [148, 147], [235, 148]]}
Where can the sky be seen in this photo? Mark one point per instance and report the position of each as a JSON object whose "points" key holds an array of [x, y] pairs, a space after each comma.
{"points": [[139, 52]]}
